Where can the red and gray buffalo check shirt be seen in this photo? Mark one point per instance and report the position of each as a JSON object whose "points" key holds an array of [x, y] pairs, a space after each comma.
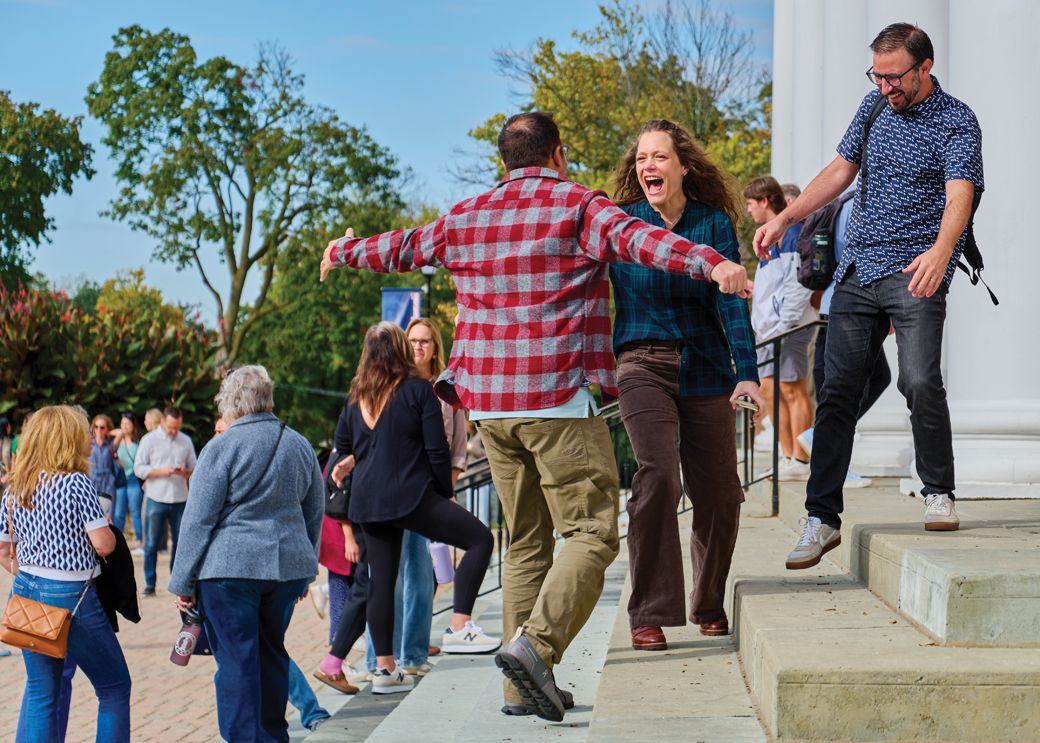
{"points": [[530, 262]]}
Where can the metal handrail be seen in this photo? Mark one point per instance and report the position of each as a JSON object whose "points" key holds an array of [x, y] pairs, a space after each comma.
{"points": [[748, 437]]}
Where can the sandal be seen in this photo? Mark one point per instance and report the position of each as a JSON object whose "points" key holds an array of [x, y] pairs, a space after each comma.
{"points": [[337, 682]]}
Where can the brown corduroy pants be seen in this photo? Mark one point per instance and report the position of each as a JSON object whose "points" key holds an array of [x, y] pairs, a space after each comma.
{"points": [[669, 432]]}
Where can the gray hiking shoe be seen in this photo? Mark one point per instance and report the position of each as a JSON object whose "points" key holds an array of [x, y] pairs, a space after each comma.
{"points": [[939, 514], [532, 678], [817, 539]]}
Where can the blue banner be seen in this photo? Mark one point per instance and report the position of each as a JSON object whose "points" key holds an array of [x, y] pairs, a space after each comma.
{"points": [[402, 305]]}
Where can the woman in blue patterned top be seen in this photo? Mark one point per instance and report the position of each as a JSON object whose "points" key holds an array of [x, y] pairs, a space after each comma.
{"points": [[51, 512], [685, 353]]}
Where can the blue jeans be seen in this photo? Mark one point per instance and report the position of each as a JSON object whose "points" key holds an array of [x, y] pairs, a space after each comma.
{"points": [[131, 496], [93, 647], [413, 604], [858, 325], [157, 514], [246, 622], [301, 696]]}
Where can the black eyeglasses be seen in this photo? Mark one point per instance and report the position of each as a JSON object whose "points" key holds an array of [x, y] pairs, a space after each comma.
{"points": [[895, 81]]}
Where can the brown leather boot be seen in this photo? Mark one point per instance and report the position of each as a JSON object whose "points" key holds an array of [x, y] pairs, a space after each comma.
{"points": [[648, 638], [717, 628]]}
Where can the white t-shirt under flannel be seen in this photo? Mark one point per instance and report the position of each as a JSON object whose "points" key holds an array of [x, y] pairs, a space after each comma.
{"points": [[51, 538]]}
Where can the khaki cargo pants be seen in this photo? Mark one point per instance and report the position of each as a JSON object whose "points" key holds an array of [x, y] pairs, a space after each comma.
{"points": [[553, 474]]}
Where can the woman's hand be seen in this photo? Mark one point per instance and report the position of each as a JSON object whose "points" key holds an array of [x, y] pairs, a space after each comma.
{"points": [[185, 602], [351, 550], [342, 469]]}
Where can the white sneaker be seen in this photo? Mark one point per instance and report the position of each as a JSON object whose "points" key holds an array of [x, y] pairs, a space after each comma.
{"points": [[420, 670], [817, 539], [852, 480], [391, 682], [356, 675], [320, 598], [939, 514], [792, 469], [469, 639]]}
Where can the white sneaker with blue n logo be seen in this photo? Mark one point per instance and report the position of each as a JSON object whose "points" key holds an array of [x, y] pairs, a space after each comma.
{"points": [[469, 639]]}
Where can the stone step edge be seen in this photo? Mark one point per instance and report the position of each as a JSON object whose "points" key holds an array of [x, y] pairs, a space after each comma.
{"points": [[945, 604], [796, 653]]}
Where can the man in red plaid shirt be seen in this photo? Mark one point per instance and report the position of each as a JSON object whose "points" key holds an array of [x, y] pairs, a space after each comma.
{"points": [[530, 262]]}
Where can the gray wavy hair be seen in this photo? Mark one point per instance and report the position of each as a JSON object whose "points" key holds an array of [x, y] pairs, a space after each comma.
{"points": [[244, 391]]}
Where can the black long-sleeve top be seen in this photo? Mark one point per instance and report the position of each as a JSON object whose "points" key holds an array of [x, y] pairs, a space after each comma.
{"points": [[399, 460]]}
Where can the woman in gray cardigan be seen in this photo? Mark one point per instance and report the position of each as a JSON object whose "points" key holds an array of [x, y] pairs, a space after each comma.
{"points": [[248, 551]]}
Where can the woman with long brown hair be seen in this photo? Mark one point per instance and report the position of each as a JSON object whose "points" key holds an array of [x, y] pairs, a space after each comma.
{"points": [[53, 530], [685, 354], [393, 426]]}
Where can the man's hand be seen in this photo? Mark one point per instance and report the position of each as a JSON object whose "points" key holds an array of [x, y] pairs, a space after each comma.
{"points": [[732, 279], [751, 390], [342, 469], [768, 235], [326, 260], [185, 602], [928, 269]]}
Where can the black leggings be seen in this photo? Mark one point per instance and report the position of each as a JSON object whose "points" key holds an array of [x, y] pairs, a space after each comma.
{"points": [[352, 620], [438, 519]]}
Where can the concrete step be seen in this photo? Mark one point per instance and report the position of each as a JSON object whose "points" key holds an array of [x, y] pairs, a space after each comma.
{"points": [[826, 659], [976, 586], [460, 700], [693, 691]]}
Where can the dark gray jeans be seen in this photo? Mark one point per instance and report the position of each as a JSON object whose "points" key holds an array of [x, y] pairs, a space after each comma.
{"points": [[859, 321]]}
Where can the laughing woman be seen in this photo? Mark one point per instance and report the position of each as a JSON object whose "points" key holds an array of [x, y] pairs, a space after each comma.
{"points": [[685, 353]]}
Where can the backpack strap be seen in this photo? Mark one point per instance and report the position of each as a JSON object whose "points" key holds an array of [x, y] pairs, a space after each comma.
{"points": [[879, 105]]}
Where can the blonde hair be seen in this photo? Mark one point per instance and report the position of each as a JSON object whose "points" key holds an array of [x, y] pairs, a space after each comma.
{"points": [[55, 440], [437, 358], [153, 416], [101, 417]]}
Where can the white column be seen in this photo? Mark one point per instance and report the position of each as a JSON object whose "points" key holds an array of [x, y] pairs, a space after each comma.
{"points": [[993, 356], [784, 46]]}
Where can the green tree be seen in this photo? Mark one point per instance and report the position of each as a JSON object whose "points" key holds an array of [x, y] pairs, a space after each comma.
{"points": [[41, 153], [127, 294], [214, 155], [688, 63], [312, 346]]}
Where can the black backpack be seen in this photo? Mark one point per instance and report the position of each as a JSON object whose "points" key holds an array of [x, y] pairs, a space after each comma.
{"points": [[816, 245], [971, 253]]}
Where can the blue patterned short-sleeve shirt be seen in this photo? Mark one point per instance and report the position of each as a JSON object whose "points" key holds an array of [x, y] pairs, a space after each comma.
{"points": [[910, 157], [51, 537]]}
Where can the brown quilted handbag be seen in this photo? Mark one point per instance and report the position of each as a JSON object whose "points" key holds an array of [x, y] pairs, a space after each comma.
{"points": [[32, 625], [41, 628]]}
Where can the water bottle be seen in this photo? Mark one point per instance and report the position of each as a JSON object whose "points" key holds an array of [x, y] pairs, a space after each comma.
{"points": [[443, 567], [187, 637]]}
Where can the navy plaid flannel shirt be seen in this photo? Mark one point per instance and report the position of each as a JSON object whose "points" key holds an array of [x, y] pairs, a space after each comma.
{"points": [[654, 305]]}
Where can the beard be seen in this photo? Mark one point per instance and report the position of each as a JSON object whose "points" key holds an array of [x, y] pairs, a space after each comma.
{"points": [[902, 98]]}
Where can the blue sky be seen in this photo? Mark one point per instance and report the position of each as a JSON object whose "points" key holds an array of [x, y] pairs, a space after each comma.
{"points": [[417, 73]]}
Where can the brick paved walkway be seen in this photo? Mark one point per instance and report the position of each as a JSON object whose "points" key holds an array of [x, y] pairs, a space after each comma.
{"points": [[168, 702]]}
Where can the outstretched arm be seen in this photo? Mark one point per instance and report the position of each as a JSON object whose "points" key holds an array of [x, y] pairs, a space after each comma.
{"points": [[610, 235], [826, 186], [398, 250]]}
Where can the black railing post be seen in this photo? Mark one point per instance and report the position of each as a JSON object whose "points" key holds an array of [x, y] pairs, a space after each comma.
{"points": [[776, 427]]}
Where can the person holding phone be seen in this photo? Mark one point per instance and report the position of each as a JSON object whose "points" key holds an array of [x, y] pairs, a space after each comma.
{"points": [[165, 461], [686, 359]]}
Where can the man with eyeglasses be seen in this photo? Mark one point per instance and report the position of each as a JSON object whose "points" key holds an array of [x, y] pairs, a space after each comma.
{"points": [[530, 260], [923, 165]]}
